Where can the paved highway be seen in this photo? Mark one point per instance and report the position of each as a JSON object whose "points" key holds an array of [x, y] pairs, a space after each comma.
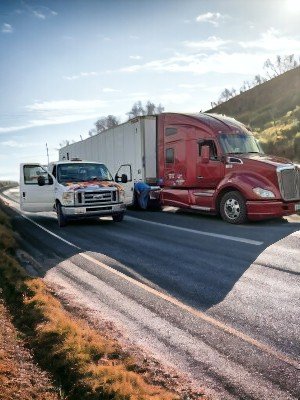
{"points": [[220, 303]]}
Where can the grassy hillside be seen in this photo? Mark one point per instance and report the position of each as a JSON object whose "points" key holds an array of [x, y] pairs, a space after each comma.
{"points": [[272, 110]]}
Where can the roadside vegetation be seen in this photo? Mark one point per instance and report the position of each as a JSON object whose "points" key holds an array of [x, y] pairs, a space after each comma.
{"points": [[272, 110], [85, 364]]}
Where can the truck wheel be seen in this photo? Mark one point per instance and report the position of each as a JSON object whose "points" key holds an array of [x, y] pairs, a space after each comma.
{"points": [[118, 217], [233, 208], [61, 218]]}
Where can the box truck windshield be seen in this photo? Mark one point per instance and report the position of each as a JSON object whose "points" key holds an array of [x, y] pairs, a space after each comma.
{"points": [[239, 143], [82, 172]]}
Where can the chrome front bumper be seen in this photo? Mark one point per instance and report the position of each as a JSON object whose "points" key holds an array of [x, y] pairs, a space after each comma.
{"points": [[93, 211]]}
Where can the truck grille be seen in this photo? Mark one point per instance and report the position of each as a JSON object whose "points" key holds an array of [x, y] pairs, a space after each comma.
{"points": [[96, 198], [289, 183]]}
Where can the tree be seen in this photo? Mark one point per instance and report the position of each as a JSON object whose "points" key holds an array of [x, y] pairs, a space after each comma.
{"points": [[280, 65], [258, 80], [105, 123], [64, 143], [92, 132], [136, 110], [150, 108]]}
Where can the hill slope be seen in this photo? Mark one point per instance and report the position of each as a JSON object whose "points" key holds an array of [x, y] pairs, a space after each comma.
{"points": [[272, 109]]}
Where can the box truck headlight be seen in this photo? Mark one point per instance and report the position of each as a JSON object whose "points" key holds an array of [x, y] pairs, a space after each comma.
{"points": [[266, 194], [122, 195], [68, 199]]}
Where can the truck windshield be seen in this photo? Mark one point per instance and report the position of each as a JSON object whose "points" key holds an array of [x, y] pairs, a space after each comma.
{"points": [[239, 143], [81, 172]]}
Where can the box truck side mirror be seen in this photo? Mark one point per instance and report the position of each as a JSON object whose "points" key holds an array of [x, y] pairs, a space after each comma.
{"points": [[41, 180], [205, 153], [124, 178]]}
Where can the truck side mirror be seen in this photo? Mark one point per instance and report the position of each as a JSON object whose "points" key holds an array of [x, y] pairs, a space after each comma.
{"points": [[124, 178], [205, 153], [41, 180]]}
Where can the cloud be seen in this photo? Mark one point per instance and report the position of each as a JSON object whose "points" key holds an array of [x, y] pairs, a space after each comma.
{"points": [[15, 144], [192, 85], [110, 90], [58, 112], [200, 63], [7, 28], [135, 57], [39, 15], [212, 43], [274, 41], [81, 75], [42, 12], [214, 56], [211, 18], [66, 105]]}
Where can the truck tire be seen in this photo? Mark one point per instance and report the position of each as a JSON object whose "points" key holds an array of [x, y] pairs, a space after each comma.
{"points": [[118, 217], [233, 208], [61, 218]]}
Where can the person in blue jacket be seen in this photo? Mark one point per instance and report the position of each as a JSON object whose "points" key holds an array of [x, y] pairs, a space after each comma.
{"points": [[142, 191]]}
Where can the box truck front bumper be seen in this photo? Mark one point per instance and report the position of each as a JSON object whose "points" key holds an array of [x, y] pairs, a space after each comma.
{"points": [[93, 211], [257, 210]]}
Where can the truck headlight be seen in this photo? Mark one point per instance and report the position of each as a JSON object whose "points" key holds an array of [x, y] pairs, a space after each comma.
{"points": [[122, 195], [266, 194], [68, 199]]}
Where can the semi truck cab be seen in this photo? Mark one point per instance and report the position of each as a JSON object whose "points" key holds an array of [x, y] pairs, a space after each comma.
{"points": [[74, 189], [214, 164]]}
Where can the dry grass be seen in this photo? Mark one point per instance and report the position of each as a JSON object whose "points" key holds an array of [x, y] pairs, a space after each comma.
{"points": [[273, 111], [86, 364]]}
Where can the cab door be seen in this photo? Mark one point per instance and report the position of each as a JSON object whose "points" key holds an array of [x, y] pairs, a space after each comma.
{"points": [[211, 173], [36, 188], [126, 169]]}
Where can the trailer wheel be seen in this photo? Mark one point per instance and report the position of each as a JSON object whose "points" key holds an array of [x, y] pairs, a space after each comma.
{"points": [[61, 218], [118, 217], [233, 208]]}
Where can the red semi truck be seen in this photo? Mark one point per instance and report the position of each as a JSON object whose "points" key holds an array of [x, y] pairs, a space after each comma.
{"points": [[205, 162]]}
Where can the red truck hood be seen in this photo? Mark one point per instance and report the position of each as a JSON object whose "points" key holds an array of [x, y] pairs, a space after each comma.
{"points": [[93, 185], [270, 160]]}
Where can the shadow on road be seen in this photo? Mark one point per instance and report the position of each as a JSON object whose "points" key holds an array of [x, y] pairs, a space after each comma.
{"points": [[198, 270]]}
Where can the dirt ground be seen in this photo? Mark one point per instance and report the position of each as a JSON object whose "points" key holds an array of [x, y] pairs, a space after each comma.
{"points": [[20, 377]]}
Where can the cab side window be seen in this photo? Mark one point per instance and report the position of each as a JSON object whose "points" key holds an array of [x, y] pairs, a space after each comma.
{"points": [[32, 173], [170, 156], [213, 155]]}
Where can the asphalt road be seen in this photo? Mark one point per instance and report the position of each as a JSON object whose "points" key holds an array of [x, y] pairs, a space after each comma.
{"points": [[220, 303]]}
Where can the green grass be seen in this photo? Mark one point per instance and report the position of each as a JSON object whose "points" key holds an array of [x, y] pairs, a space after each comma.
{"points": [[272, 110]]}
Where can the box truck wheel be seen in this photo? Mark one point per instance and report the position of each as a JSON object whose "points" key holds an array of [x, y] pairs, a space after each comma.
{"points": [[233, 208], [61, 218], [118, 217]]}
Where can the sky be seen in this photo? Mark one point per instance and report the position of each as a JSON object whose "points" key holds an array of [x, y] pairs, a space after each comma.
{"points": [[66, 63]]}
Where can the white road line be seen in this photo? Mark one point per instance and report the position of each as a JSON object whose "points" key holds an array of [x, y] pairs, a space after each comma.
{"points": [[203, 233], [50, 232], [35, 223], [194, 231]]}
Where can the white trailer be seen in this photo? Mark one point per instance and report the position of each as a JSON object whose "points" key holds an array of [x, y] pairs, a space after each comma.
{"points": [[129, 148]]}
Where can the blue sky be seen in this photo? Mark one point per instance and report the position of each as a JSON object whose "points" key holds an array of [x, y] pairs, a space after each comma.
{"points": [[66, 63]]}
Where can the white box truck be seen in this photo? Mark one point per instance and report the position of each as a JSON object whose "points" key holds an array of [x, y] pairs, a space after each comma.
{"points": [[127, 149], [74, 189]]}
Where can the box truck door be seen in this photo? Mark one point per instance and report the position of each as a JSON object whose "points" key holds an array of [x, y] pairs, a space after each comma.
{"points": [[129, 185], [36, 188]]}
